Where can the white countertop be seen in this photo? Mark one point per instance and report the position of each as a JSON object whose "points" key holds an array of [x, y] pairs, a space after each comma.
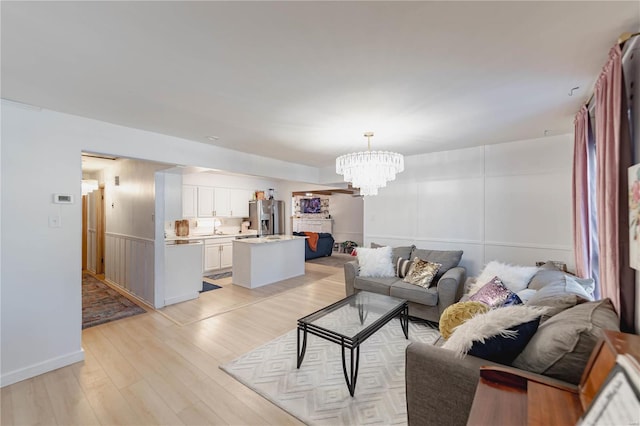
{"points": [[270, 239], [203, 237]]}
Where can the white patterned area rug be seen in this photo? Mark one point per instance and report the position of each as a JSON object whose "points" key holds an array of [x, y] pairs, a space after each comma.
{"points": [[317, 393]]}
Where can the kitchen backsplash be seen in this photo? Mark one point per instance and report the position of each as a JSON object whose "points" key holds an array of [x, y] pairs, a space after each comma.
{"points": [[204, 226]]}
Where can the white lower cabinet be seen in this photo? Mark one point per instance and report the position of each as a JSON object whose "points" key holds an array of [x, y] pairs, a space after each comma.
{"points": [[211, 257], [218, 254], [226, 255]]}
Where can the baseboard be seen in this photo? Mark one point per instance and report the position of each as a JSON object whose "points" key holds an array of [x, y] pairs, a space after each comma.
{"points": [[126, 293], [182, 298], [41, 368]]}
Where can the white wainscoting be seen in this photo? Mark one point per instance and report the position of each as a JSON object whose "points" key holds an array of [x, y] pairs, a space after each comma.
{"points": [[91, 250], [347, 236], [509, 202], [129, 264]]}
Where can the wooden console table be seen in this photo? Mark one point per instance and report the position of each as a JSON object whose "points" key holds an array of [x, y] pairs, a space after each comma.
{"points": [[508, 396]]}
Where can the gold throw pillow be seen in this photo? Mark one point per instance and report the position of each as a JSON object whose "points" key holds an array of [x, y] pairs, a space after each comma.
{"points": [[422, 272], [457, 314]]}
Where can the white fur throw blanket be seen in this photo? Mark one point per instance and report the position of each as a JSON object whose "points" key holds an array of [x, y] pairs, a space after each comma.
{"points": [[495, 322]]}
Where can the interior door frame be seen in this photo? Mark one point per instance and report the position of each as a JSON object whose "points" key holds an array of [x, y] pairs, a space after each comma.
{"points": [[100, 231], [84, 232]]}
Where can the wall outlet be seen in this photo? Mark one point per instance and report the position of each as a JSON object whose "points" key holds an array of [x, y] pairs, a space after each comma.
{"points": [[54, 221]]}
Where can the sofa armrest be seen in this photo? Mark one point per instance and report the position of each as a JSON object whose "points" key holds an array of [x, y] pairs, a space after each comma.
{"points": [[350, 273], [440, 387], [450, 287]]}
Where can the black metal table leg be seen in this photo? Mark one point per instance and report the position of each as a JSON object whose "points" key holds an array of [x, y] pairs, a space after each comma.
{"points": [[404, 321], [351, 377], [304, 344]]}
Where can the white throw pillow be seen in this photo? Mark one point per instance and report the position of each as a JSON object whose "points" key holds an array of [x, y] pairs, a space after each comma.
{"points": [[376, 262], [514, 277], [588, 284], [526, 294]]}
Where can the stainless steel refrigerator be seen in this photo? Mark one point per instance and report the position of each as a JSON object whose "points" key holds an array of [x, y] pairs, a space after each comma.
{"points": [[267, 216]]}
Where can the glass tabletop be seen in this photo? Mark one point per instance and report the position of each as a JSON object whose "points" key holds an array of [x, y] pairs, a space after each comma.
{"points": [[354, 314]]}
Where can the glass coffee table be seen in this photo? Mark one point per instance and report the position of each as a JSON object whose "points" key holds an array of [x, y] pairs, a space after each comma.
{"points": [[349, 322]]}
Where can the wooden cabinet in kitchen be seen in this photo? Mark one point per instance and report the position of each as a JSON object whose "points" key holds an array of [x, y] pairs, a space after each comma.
{"points": [[189, 201], [218, 253]]}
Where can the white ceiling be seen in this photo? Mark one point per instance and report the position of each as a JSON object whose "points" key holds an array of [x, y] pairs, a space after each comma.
{"points": [[302, 81]]}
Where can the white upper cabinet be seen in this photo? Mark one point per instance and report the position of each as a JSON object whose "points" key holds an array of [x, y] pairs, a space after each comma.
{"points": [[205, 201], [239, 200], [232, 202], [222, 203], [189, 201]]}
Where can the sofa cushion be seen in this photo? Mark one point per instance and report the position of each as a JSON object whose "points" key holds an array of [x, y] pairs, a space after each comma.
{"points": [[544, 277], [448, 259], [512, 327], [457, 314], [422, 273], [402, 267], [396, 252], [514, 277], [414, 293], [557, 300], [563, 344], [559, 283], [495, 294], [375, 262], [375, 285], [504, 349]]}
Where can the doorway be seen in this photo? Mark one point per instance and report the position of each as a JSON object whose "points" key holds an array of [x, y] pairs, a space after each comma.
{"points": [[104, 298], [93, 232]]}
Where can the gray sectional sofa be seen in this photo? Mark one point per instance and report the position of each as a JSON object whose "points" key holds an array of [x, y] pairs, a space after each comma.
{"points": [[440, 387], [424, 303]]}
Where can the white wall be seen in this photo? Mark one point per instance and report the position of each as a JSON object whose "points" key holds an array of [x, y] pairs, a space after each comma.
{"points": [[41, 312], [41, 266], [129, 207], [346, 212], [130, 226], [510, 202]]}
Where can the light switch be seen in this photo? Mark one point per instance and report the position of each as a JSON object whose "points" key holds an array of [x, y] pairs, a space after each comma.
{"points": [[54, 221]]}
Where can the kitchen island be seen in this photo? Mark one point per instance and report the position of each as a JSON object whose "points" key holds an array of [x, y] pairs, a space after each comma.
{"points": [[266, 260]]}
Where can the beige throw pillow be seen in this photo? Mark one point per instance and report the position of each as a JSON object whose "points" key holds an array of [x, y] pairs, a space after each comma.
{"points": [[422, 272], [563, 344]]}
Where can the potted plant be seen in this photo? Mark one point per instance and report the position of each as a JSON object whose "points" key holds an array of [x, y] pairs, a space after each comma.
{"points": [[348, 246]]}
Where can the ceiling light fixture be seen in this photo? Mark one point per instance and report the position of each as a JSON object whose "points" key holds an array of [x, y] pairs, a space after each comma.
{"points": [[369, 170]]}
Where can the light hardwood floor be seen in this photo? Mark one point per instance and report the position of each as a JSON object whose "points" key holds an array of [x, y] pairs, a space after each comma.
{"points": [[162, 368]]}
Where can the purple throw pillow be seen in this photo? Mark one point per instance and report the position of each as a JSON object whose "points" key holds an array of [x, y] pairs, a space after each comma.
{"points": [[496, 294]]}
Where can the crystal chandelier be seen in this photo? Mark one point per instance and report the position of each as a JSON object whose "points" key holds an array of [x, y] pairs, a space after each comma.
{"points": [[369, 170]]}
